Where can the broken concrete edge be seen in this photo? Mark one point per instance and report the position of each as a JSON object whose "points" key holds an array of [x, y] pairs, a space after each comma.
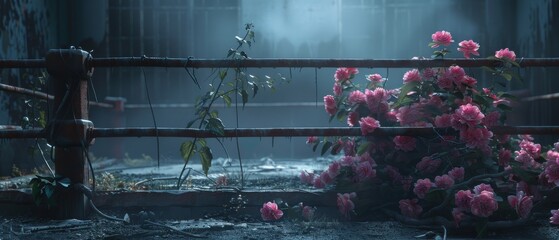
{"points": [[187, 198], [183, 204]]}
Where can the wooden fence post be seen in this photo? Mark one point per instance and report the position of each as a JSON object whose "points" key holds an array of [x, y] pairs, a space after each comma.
{"points": [[69, 125], [118, 121]]}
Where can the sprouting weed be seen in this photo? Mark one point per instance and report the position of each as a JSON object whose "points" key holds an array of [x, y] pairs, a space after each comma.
{"points": [[236, 203]]}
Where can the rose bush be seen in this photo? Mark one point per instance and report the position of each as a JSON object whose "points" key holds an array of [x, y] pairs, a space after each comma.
{"points": [[467, 174]]}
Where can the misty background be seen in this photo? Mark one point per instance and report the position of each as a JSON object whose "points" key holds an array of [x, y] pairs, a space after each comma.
{"points": [[206, 29]]}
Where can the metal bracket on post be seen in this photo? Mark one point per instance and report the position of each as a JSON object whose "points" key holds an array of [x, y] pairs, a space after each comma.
{"points": [[68, 129]]}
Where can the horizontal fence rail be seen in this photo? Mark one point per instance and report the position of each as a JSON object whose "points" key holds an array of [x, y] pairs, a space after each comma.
{"points": [[42, 95], [282, 63], [281, 132]]}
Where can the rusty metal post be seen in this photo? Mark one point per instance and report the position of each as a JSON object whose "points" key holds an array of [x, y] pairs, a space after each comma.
{"points": [[119, 121], [68, 128]]}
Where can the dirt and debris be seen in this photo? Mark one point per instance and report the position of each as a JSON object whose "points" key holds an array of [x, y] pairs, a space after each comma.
{"points": [[242, 228]]}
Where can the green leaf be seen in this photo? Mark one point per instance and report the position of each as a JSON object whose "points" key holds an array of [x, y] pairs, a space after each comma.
{"points": [[49, 191], [325, 147], [506, 76], [230, 52], [223, 74], [507, 95], [491, 70], [206, 156], [227, 100], [254, 88], [187, 150], [215, 125], [407, 88], [214, 114], [315, 146], [202, 142], [363, 148], [336, 148], [244, 95]]}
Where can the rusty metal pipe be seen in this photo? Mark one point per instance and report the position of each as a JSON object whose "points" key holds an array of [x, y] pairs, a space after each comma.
{"points": [[282, 63], [282, 132]]}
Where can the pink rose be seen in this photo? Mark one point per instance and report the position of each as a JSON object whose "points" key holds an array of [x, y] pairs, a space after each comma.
{"points": [[469, 114], [337, 89], [492, 118], [484, 204], [345, 205], [457, 215], [356, 97], [444, 181], [441, 38], [412, 76], [444, 82], [551, 172], [521, 203], [531, 148], [428, 73], [368, 125], [554, 219], [308, 213], [306, 177], [377, 100], [504, 157], [349, 148], [483, 187], [457, 174], [364, 171], [468, 47], [270, 211], [422, 187], [456, 74], [330, 105], [352, 119], [505, 53], [409, 115], [334, 169], [443, 121], [405, 143], [326, 178], [318, 183], [410, 208], [312, 140], [523, 157], [344, 74], [428, 165], [462, 199], [469, 81], [375, 78], [476, 137]]}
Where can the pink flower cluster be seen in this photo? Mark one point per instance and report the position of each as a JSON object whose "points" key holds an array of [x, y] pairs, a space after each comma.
{"points": [[410, 207], [505, 54], [345, 204], [345, 74], [270, 211], [521, 203], [482, 202], [554, 219]]}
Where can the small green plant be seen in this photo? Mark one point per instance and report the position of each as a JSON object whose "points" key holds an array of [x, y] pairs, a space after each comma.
{"points": [[44, 188]]}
